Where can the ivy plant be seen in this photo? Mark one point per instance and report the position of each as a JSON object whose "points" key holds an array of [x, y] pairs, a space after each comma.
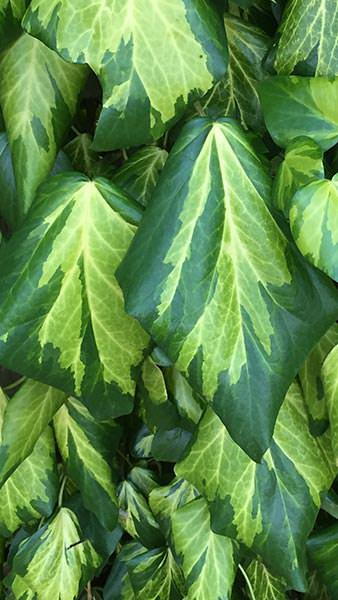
{"points": [[168, 300]]}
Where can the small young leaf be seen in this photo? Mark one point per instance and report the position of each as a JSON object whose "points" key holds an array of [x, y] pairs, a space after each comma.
{"points": [[87, 448], [155, 575], [314, 224], [164, 501], [136, 517]]}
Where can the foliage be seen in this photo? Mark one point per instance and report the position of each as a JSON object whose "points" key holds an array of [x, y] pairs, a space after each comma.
{"points": [[168, 300]]}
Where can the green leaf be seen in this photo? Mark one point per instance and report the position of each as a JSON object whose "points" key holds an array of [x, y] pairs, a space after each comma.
{"points": [[316, 590], [155, 575], [156, 410], [118, 585], [136, 517], [314, 223], [307, 27], [301, 106], [330, 383], [188, 404], [143, 479], [311, 382], [165, 500], [70, 246], [139, 175], [87, 449], [38, 98], [31, 491], [25, 418], [225, 306], [11, 13], [55, 562], [323, 552], [264, 585], [83, 158], [186, 50], [246, 498], [303, 163], [8, 201], [207, 559], [248, 46]]}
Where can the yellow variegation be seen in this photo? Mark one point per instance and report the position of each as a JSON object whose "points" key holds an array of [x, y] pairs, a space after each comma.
{"points": [[264, 585], [330, 383], [145, 85], [80, 338]]}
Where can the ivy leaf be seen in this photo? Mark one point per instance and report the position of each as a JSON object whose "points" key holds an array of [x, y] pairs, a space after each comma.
{"points": [[330, 383], [71, 561], [38, 97], [264, 585], [139, 175], [143, 479], [314, 223], [11, 13], [136, 517], [189, 406], [323, 552], [87, 449], [165, 500], [305, 28], [156, 410], [31, 491], [83, 158], [301, 106], [70, 245], [207, 559], [311, 382], [227, 307], [303, 163], [284, 489], [154, 574], [25, 418], [118, 585], [187, 55], [248, 46]]}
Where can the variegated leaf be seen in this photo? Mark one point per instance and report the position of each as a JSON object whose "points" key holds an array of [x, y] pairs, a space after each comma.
{"points": [[311, 382], [166, 500], [323, 552], [330, 383], [314, 223], [301, 106], [72, 330], [31, 491], [208, 559], [155, 575], [220, 288], [38, 97], [308, 27], [303, 162], [139, 175], [11, 13], [25, 418], [146, 86], [136, 517], [54, 562], [264, 585], [87, 448], [118, 585], [285, 489], [156, 410]]}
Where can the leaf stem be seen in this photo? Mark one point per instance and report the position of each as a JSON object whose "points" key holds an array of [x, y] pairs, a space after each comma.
{"points": [[13, 385], [247, 581], [62, 488]]}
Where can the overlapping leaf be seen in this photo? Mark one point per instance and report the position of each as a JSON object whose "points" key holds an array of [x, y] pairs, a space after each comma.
{"points": [[215, 281], [25, 418], [301, 106], [146, 84], [31, 491], [264, 585], [309, 27], [323, 552], [303, 162], [314, 224], [166, 500], [330, 383], [154, 574], [54, 562], [72, 330], [38, 97], [139, 175], [11, 13], [87, 449], [311, 381], [270, 507], [248, 46], [207, 559], [136, 517]]}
